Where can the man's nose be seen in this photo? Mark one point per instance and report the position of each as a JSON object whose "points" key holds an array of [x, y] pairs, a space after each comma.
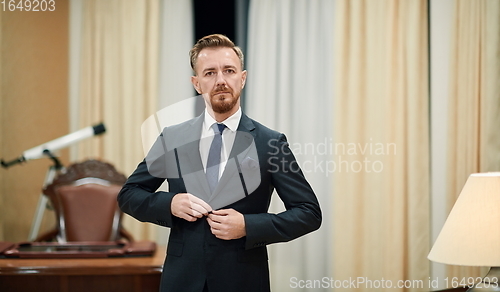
{"points": [[221, 80]]}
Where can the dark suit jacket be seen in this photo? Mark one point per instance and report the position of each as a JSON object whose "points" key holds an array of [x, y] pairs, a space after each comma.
{"points": [[194, 254]]}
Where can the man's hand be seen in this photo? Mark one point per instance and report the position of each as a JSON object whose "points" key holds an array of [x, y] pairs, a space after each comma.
{"points": [[227, 224], [189, 207]]}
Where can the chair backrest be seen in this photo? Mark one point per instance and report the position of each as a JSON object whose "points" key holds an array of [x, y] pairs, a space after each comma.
{"points": [[89, 212], [84, 200]]}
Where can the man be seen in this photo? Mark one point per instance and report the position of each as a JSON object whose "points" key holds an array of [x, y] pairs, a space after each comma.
{"points": [[218, 211]]}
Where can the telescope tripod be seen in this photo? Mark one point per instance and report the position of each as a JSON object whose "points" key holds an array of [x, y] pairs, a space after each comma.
{"points": [[42, 199]]}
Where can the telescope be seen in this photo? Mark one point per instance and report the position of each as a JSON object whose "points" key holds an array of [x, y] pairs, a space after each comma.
{"points": [[47, 148]]}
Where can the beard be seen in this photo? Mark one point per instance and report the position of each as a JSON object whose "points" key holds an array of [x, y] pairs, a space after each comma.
{"points": [[223, 103]]}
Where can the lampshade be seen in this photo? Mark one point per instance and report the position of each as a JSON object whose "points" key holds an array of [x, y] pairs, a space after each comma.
{"points": [[471, 234]]}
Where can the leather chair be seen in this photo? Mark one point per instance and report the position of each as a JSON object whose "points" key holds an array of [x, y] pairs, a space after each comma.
{"points": [[84, 200]]}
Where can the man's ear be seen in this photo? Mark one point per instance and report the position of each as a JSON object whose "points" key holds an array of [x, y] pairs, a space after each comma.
{"points": [[243, 78], [196, 84]]}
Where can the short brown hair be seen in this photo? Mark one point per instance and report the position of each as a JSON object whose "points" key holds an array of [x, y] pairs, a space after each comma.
{"points": [[213, 41]]}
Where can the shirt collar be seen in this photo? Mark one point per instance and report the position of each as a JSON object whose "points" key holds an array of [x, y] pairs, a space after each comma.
{"points": [[231, 122]]}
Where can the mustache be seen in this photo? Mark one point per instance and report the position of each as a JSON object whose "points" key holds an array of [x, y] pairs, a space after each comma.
{"points": [[221, 88]]}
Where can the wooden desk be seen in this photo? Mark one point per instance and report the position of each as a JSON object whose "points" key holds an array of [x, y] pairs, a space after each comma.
{"points": [[105, 274]]}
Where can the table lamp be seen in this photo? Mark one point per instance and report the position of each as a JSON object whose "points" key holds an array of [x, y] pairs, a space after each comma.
{"points": [[471, 234]]}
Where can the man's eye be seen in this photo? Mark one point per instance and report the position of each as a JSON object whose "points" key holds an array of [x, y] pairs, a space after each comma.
{"points": [[231, 71], [209, 73]]}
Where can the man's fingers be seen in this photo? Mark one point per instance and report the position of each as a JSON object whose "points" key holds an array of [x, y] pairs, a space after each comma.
{"points": [[199, 205], [189, 217], [227, 224], [189, 207], [200, 209], [217, 229], [213, 223], [219, 212], [195, 213], [224, 212]]}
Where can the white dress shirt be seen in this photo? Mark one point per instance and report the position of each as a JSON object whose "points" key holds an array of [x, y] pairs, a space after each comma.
{"points": [[228, 135]]}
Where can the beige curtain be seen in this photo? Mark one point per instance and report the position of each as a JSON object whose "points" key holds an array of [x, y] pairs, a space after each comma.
{"points": [[381, 203], [474, 111], [119, 83]]}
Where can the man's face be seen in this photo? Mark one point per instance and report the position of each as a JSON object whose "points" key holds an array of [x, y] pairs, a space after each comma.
{"points": [[219, 78]]}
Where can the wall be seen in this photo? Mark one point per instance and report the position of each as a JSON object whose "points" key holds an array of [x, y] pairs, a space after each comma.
{"points": [[33, 108]]}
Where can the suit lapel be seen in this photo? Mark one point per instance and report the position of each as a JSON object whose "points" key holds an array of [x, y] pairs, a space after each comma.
{"points": [[244, 136], [190, 161]]}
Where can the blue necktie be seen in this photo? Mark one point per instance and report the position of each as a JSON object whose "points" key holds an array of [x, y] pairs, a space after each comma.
{"points": [[213, 161]]}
